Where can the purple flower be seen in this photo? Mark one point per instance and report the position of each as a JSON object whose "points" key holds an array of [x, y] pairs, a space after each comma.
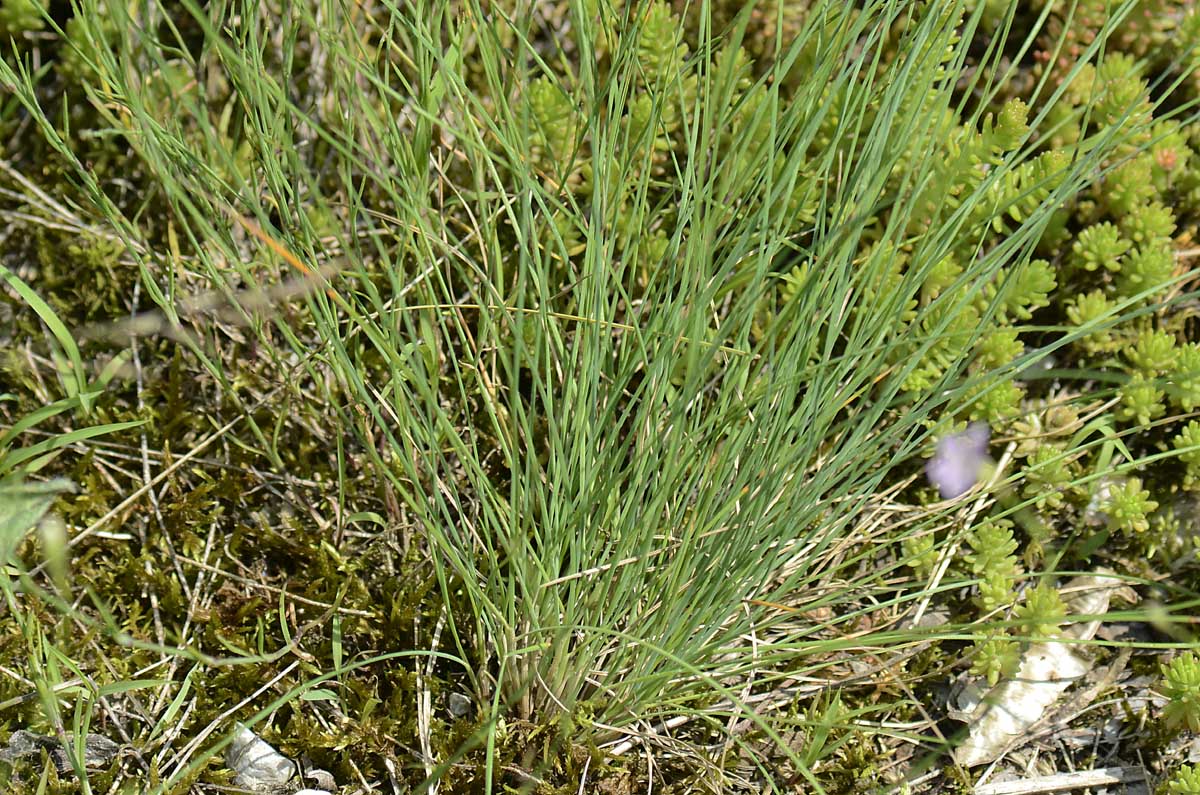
{"points": [[956, 465]]}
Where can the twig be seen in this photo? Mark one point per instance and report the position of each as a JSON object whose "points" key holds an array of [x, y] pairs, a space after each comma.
{"points": [[1066, 781]]}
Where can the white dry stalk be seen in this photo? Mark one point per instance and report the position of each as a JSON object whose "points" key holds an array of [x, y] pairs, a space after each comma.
{"points": [[1079, 779], [425, 703], [1047, 669]]}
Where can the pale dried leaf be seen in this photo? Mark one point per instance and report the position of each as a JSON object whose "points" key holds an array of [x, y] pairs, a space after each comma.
{"points": [[1047, 669]]}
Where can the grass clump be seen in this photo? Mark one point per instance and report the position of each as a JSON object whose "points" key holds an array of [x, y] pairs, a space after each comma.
{"points": [[576, 357]]}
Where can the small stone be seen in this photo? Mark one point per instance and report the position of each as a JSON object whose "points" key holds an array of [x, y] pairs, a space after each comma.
{"points": [[22, 743], [323, 779], [458, 704], [256, 763], [98, 750]]}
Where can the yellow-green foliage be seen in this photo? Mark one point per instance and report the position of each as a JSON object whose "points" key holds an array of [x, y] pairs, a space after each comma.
{"points": [[1181, 685], [21, 16], [991, 558], [1042, 611], [1128, 506], [1185, 781]]}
